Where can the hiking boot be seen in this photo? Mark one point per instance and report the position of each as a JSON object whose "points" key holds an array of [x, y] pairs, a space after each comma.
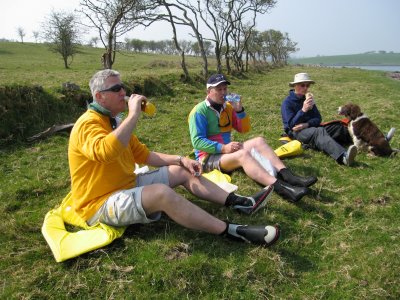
{"points": [[255, 234], [348, 157], [287, 175], [253, 203], [289, 192], [390, 134]]}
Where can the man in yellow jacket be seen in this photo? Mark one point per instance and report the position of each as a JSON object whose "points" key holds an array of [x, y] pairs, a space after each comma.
{"points": [[102, 156]]}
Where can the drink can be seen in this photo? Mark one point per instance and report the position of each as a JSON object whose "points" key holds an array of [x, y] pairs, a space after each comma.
{"points": [[147, 107]]}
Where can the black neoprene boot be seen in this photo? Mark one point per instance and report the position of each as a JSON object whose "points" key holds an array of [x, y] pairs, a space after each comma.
{"points": [[249, 204], [256, 234], [289, 192], [287, 175]]}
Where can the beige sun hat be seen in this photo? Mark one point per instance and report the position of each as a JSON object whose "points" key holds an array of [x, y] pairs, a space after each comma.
{"points": [[301, 77]]}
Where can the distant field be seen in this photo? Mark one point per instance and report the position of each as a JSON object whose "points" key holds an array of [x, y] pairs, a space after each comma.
{"points": [[389, 59], [31, 63]]}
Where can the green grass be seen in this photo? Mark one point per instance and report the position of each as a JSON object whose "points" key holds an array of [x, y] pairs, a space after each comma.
{"points": [[388, 59], [341, 242], [31, 63]]}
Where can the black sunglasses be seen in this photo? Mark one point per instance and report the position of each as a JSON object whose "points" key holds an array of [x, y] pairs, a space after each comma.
{"points": [[115, 88]]}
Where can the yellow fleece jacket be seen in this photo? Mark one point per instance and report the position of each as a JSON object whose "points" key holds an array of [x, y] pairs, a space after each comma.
{"points": [[99, 164]]}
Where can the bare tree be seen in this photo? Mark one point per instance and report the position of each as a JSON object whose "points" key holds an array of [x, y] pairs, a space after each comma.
{"points": [[272, 46], [62, 32], [187, 15], [175, 38], [21, 33], [278, 46], [36, 35], [214, 15], [93, 41], [112, 19], [186, 46], [241, 29]]}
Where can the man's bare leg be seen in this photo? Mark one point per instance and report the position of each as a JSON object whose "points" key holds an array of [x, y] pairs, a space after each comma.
{"points": [[159, 197]]}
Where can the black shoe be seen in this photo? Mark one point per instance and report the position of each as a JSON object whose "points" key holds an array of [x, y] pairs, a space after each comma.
{"points": [[255, 202], [289, 192], [261, 235], [286, 175]]}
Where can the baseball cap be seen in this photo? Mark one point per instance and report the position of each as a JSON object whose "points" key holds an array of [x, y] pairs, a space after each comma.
{"points": [[216, 79]]}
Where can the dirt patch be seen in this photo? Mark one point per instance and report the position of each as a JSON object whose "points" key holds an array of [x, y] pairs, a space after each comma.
{"points": [[179, 251]]}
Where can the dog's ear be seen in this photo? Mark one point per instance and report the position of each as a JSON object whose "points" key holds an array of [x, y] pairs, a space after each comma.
{"points": [[355, 111], [347, 110]]}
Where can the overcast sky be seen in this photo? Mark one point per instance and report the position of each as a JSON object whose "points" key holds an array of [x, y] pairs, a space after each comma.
{"points": [[320, 27]]}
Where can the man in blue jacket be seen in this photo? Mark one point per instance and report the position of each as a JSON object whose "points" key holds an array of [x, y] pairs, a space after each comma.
{"points": [[302, 121]]}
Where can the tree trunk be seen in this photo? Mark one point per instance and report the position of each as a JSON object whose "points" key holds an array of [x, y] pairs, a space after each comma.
{"points": [[228, 64], [106, 60], [65, 58], [218, 56], [183, 63], [247, 61], [227, 60]]}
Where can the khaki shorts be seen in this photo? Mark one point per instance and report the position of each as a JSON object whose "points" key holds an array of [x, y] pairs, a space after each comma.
{"points": [[125, 207], [212, 162]]}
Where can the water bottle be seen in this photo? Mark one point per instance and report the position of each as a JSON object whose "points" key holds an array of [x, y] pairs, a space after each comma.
{"points": [[232, 97], [147, 107]]}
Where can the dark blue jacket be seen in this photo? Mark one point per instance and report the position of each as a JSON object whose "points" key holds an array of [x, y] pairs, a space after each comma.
{"points": [[293, 115]]}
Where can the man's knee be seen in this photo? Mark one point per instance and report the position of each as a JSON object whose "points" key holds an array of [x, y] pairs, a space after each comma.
{"points": [[245, 156], [259, 140], [157, 192], [178, 173], [157, 197], [321, 131]]}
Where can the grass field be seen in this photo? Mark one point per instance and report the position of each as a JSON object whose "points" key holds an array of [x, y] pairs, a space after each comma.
{"points": [[379, 59], [341, 242], [31, 63]]}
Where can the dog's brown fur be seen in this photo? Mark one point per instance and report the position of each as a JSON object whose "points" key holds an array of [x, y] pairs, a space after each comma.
{"points": [[365, 134]]}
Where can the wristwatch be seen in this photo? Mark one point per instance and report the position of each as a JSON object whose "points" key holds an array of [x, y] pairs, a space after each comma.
{"points": [[179, 160]]}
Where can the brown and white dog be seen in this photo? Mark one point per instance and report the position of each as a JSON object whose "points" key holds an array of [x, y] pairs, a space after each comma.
{"points": [[365, 134]]}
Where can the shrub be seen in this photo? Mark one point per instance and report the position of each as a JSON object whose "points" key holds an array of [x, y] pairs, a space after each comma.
{"points": [[27, 110], [149, 87], [73, 93]]}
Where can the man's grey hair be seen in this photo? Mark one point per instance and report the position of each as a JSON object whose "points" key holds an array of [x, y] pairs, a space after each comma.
{"points": [[97, 83]]}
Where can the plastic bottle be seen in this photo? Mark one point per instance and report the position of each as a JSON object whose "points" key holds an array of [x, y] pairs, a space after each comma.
{"points": [[147, 107], [232, 97]]}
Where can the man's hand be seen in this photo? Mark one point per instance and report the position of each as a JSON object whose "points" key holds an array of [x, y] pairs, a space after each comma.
{"points": [[237, 106], [231, 147], [308, 104], [135, 103], [300, 127], [193, 166], [124, 131]]}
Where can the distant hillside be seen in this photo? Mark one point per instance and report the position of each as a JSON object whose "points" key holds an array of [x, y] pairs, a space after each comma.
{"points": [[370, 59]]}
